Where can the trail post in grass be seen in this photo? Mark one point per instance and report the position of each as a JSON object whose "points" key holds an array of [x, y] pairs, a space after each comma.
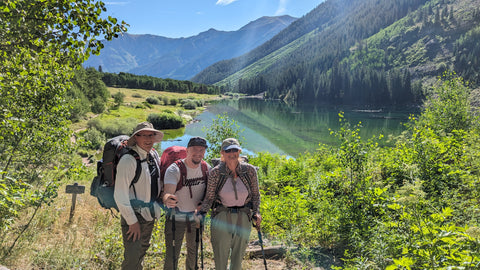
{"points": [[74, 190]]}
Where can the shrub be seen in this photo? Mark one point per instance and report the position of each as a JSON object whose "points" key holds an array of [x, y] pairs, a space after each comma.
{"points": [[165, 121], [98, 105], [113, 128], [153, 100], [190, 105], [173, 101], [95, 138], [118, 98], [147, 105], [137, 95], [165, 100], [140, 106]]}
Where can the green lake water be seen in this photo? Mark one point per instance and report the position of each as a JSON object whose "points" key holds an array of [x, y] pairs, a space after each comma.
{"points": [[275, 127]]}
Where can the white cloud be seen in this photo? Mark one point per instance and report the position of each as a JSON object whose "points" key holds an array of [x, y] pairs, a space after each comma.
{"points": [[224, 2], [282, 7]]}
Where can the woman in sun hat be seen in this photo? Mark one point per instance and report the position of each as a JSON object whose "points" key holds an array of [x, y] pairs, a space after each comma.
{"points": [[233, 194]]}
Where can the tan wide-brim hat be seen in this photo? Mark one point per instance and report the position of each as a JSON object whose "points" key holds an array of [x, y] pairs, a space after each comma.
{"points": [[145, 126]]}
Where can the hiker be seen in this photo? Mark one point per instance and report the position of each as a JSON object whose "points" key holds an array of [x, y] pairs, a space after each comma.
{"points": [[183, 201], [136, 202], [234, 196]]}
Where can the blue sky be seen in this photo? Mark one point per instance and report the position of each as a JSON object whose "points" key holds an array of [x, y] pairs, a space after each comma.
{"points": [[185, 18]]}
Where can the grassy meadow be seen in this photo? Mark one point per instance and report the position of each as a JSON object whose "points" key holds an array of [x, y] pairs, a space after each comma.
{"points": [[91, 239], [411, 205]]}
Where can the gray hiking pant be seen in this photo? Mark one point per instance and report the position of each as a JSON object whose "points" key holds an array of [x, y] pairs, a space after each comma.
{"points": [[230, 233], [135, 251], [182, 228]]}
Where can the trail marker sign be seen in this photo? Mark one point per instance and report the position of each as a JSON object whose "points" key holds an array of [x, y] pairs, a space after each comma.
{"points": [[74, 190]]}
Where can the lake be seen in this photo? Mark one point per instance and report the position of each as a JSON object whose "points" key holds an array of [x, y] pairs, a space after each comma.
{"points": [[275, 127]]}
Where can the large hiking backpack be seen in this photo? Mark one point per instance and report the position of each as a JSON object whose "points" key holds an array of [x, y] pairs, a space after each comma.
{"points": [[103, 184], [169, 156], [174, 154]]}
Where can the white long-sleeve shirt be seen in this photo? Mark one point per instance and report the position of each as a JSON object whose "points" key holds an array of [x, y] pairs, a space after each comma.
{"points": [[124, 193]]}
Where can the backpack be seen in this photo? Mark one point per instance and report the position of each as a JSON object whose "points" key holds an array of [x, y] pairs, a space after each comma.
{"points": [[175, 154], [103, 184]]}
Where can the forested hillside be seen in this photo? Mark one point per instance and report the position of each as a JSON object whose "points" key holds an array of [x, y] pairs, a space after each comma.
{"points": [[129, 80], [182, 58], [375, 52]]}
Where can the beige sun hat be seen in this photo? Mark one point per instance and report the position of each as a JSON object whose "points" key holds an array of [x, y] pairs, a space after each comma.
{"points": [[145, 126]]}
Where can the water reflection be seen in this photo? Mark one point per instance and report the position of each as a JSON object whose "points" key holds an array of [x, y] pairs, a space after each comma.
{"points": [[277, 128]]}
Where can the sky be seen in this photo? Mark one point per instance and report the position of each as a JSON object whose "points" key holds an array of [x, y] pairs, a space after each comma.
{"points": [[186, 18]]}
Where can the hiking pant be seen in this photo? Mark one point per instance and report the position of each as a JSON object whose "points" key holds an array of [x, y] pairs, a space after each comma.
{"points": [[182, 228], [230, 233], [135, 251]]}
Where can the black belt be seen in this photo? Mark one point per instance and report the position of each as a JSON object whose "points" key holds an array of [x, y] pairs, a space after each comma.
{"points": [[235, 209]]}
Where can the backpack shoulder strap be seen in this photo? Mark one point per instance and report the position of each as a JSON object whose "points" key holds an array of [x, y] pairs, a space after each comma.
{"points": [[138, 170], [204, 171], [183, 173], [223, 177], [243, 173]]}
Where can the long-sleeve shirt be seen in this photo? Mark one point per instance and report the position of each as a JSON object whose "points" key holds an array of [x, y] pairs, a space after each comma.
{"points": [[248, 175], [124, 193]]}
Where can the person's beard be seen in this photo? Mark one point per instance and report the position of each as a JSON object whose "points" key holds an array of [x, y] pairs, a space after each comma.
{"points": [[196, 162]]}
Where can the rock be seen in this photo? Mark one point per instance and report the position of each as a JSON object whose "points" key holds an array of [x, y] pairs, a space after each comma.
{"points": [[271, 252]]}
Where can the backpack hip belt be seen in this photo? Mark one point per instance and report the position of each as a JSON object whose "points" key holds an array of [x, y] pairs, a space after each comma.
{"points": [[137, 206], [246, 209]]}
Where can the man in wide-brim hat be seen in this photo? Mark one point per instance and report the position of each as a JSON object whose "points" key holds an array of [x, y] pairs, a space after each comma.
{"points": [[136, 201]]}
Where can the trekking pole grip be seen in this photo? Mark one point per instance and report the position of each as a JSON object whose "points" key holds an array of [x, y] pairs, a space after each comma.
{"points": [[254, 219]]}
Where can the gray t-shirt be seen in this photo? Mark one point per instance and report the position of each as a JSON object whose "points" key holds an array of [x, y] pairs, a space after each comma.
{"points": [[194, 180]]}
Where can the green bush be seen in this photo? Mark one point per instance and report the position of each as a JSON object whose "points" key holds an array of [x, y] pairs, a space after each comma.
{"points": [[190, 105], [140, 106], [147, 105], [118, 98], [166, 121], [153, 100], [113, 128], [165, 100], [95, 138], [173, 101], [137, 95], [98, 105]]}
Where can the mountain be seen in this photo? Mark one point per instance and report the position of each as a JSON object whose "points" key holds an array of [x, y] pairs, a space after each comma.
{"points": [[359, 52], [182, 58]]}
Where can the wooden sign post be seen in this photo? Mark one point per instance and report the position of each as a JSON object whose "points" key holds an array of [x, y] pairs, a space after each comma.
{"points": [[74, 190]]}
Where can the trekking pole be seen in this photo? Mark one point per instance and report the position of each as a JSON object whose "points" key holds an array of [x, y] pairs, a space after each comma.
{"points": [[172, 214], [201, 242], [260, 239], [199, 230], [197, 239]]}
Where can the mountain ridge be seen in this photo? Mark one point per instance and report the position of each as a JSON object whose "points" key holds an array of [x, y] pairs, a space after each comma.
{"points": [[182, 58]]}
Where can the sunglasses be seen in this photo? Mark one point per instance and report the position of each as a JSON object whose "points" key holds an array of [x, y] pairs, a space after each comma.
{"points": [[146, 135], [234, 150]]}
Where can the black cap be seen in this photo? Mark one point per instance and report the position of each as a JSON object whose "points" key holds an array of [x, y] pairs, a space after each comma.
{"points": [[197, 141]]}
